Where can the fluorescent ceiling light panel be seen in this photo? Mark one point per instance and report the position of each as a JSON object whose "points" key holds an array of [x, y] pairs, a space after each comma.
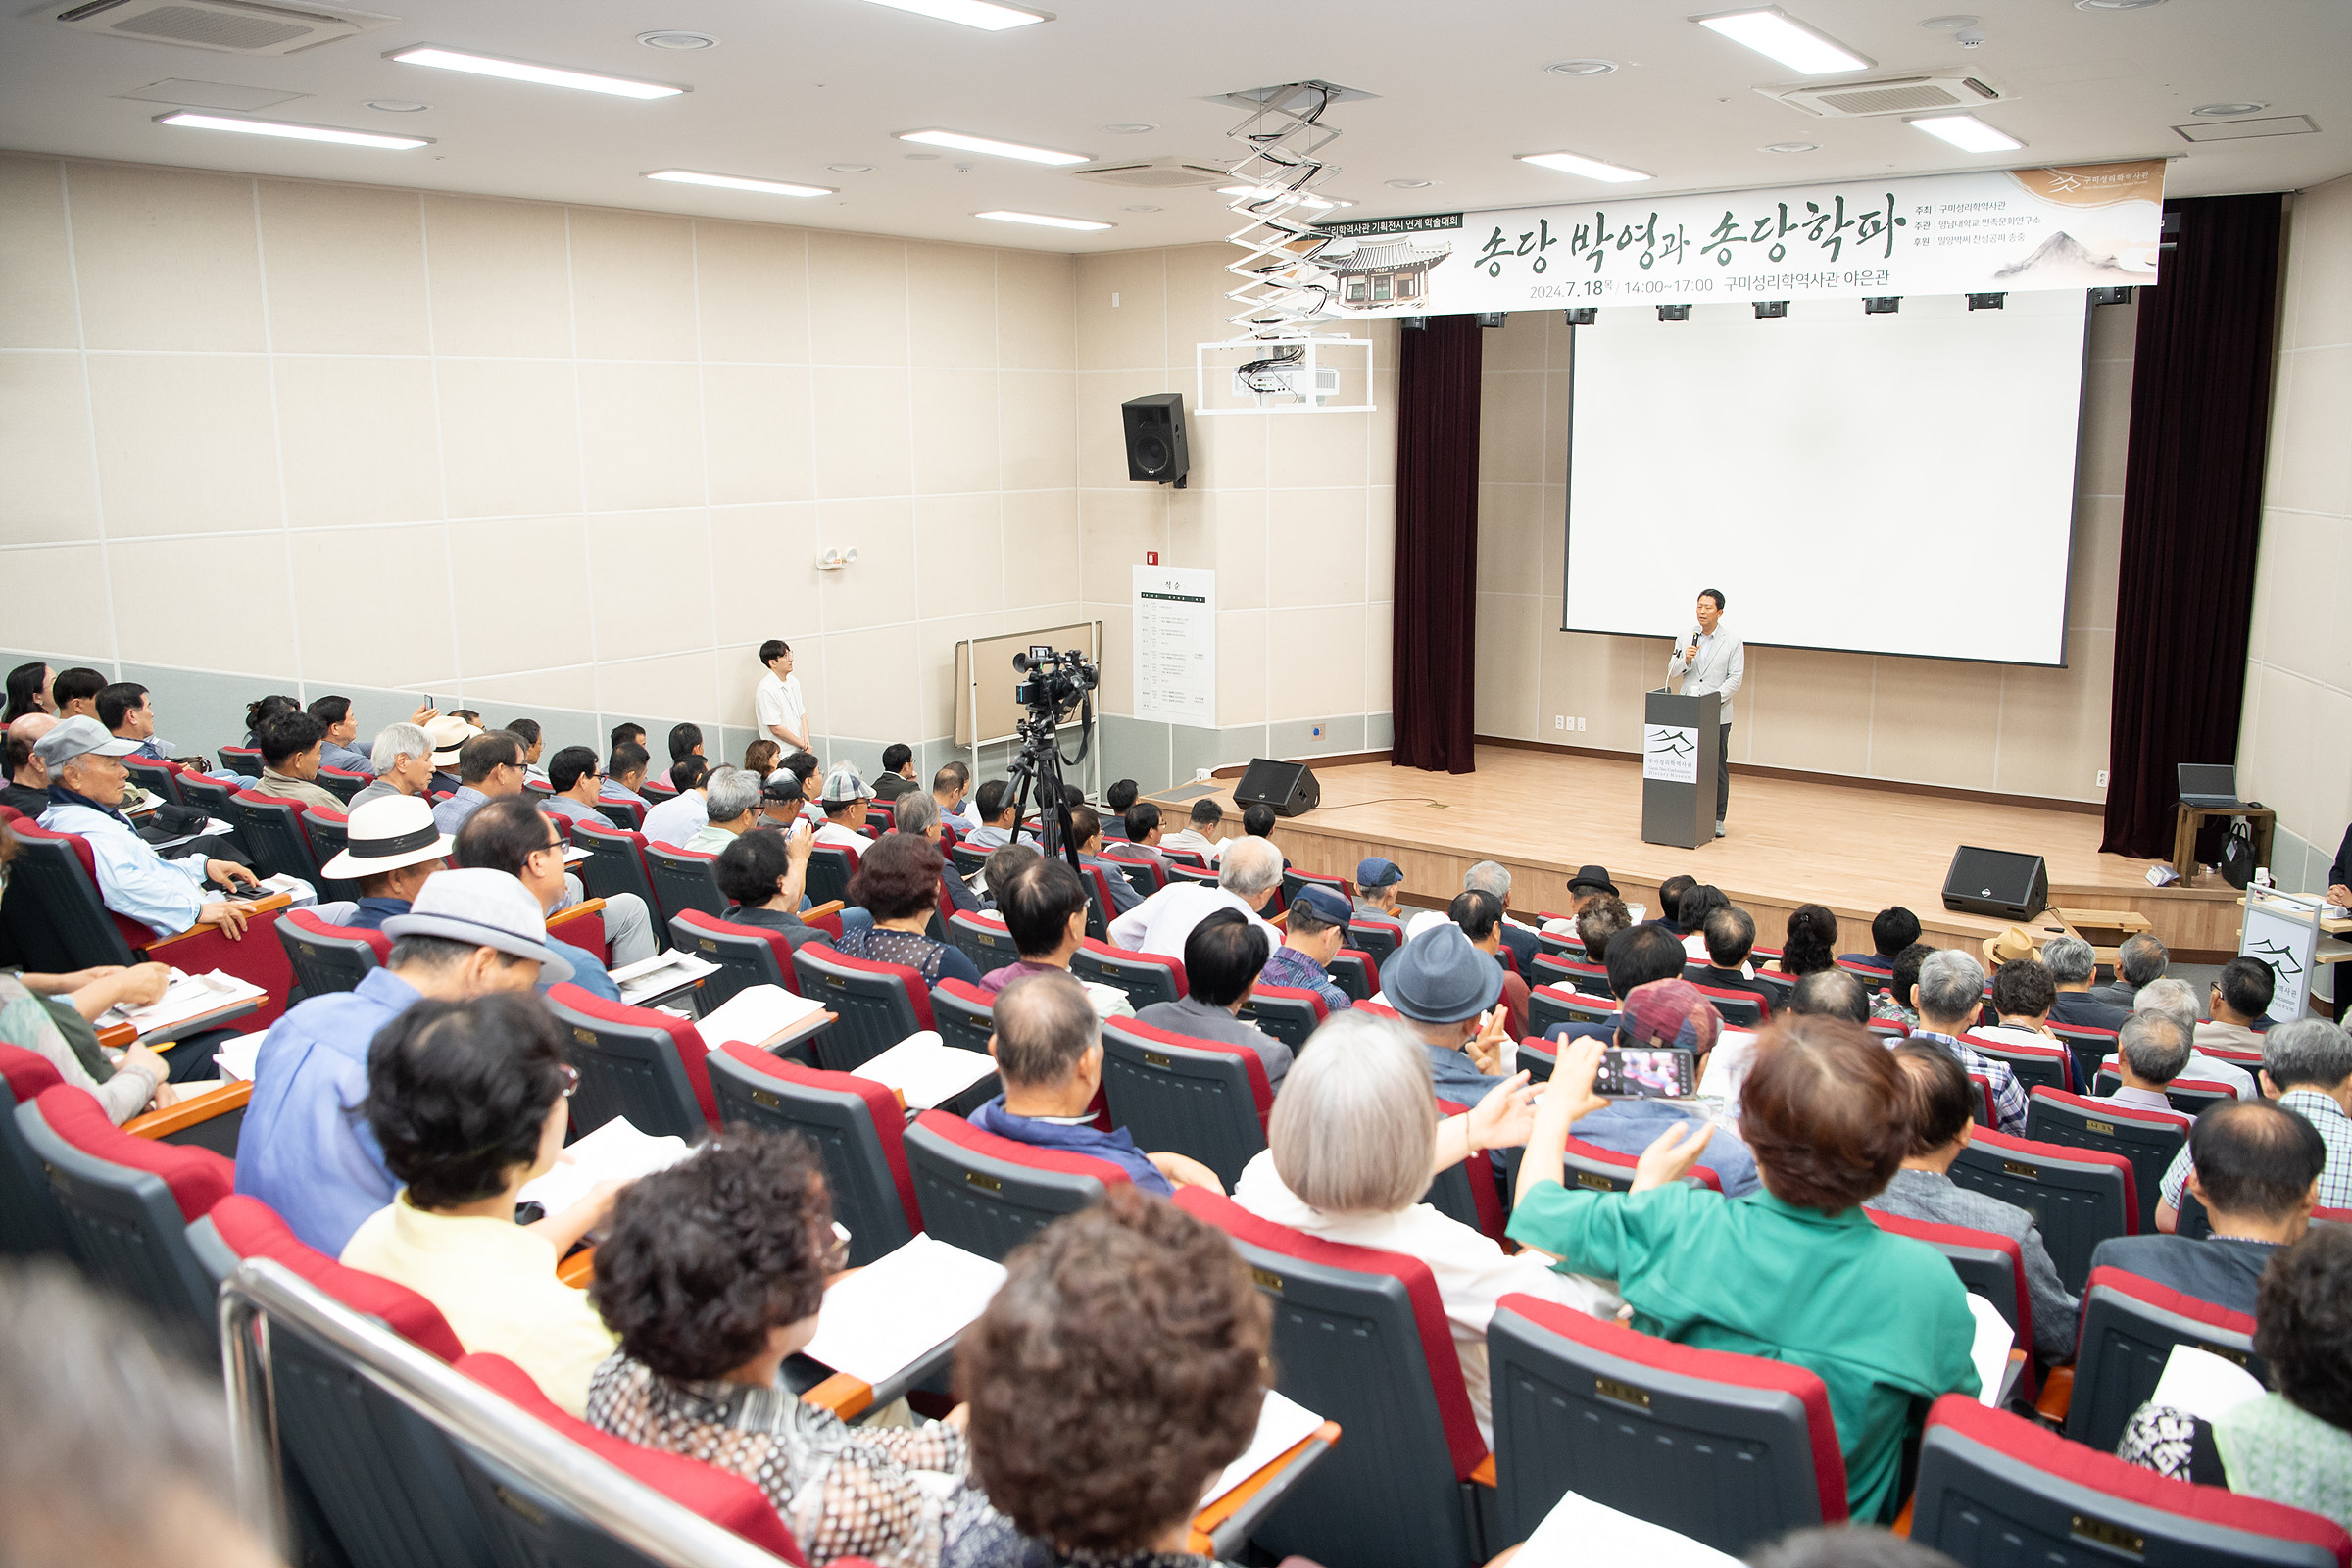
{"points": [[275, 127], [984, 15], [526, 71], [1774, 34], [1043, 220], [997, 149], [771, 188], [1269, 192], [1967, 132], [1589, 168]]}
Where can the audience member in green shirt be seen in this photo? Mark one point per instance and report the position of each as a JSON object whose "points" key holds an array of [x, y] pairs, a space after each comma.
{"points": [[1795, 1272]]}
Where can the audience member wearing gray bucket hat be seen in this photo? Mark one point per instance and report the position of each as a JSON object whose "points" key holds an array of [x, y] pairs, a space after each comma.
{"points": [[488, 910], [1442, 984]]}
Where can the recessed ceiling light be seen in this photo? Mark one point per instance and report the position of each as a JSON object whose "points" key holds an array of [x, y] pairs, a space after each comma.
{"points": [[1263, 192], [1791, 147], [280, 128], [526, 71], [2221, 111], [1127, 128], [986, 14], [1580, 67], [769, 187], [1777, 35], [1949, 23], [2115, 5], [1000, 149], [397, 106], [851, 168], [677, 40], [1139, 209], [1967, 132], [1411, 185], [1043, 220], [1589, 168]]}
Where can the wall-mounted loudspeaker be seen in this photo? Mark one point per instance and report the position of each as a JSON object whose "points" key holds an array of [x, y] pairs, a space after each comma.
{"points": [[2000, 882], [1287, 787], [1156, 444]]}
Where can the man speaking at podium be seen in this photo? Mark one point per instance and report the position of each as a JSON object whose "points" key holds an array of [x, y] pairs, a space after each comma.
{"points": [[1712, 660]]}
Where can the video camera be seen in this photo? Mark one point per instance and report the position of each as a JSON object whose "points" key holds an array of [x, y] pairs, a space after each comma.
{"points": [[1058, 681]]}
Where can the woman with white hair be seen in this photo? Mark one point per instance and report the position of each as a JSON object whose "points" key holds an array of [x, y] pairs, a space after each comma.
{"points": [[1356, 1139], [402, 759]]}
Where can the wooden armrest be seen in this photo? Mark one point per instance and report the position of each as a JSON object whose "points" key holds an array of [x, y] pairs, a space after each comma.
{"points": [[1206, 1522], [579, 912], [1902, 1521], [578, 1269], [188, 1113], [842, 1394], [276, 900], [1484, 1475], [829, 907], [116, 1035], [2057, 1394]]}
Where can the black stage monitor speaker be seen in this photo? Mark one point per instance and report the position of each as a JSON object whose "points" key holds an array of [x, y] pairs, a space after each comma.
{"points": [[1287, 787], [1998, 882], [1156, 444]]}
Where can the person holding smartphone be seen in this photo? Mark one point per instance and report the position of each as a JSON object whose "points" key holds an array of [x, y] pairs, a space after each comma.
{"points": [[1795, 1271], [1650, 1078]]}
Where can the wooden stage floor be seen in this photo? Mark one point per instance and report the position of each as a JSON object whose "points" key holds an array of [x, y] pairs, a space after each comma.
{"points": [[1789, 842]]}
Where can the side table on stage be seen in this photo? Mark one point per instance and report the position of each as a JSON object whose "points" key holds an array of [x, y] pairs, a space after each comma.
{"points": [[1682, 748]]}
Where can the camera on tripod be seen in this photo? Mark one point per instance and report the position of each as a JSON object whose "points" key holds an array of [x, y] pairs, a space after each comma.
{"points": [[1058, 681]]}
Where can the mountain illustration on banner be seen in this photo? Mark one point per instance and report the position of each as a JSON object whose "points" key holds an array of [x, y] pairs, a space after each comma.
{"points": [[2064, 257]]}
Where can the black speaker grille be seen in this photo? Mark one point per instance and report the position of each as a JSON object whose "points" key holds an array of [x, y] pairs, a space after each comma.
{"points": [[1151, 452]]}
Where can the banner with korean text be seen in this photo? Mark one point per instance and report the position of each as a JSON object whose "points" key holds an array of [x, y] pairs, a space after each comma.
{"points": [[1984, 231]]}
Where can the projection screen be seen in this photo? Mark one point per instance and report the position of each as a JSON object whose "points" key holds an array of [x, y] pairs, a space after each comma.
{"points": [[1898, 483]]}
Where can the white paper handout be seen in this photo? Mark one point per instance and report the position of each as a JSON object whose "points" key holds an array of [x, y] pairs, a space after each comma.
{"points": [[664, 972], [616, 1151], [755, 1016], [235, 1058], [925, 1071], [899, 1308], [185, 997], [1282, 1425], [2203, 1384], [1991, 1352], [1580, 1533]]}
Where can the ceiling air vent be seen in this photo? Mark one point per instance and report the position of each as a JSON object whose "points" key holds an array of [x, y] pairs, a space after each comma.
{"points": [[1922, 92], [1152, 174], [232, 26]]}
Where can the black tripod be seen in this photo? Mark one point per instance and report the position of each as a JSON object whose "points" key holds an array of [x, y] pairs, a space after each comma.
{"points": [[1037, 768]]}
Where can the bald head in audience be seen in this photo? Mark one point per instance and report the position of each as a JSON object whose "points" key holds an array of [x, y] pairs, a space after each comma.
{"points": [[1831, 994]]}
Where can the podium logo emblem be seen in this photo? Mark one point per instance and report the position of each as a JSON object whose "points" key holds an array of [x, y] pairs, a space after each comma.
{"points": [[1670, 753]]}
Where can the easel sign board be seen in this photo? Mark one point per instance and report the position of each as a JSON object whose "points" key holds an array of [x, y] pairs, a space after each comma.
{"points": [[2282, 930], [984, 675]]}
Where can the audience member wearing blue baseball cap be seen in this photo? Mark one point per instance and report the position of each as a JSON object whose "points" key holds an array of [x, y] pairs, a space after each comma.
{"points": [[1376, 884], [1315, 934]]}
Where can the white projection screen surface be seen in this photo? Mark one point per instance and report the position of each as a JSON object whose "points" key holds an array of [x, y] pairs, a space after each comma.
{"points": [[1899, 483]]}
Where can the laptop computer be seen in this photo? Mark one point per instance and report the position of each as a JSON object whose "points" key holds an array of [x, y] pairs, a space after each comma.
{"points": [[2209, 784]]}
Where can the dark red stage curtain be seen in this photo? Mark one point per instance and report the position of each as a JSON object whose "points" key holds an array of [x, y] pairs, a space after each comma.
{"points": [[2192, 509], [1436, 642]]}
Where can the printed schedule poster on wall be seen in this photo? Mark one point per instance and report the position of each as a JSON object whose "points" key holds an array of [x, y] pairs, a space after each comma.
{"points": [[1176, 646]]}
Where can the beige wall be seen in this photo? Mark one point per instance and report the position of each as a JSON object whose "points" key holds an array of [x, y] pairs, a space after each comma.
{"points": [[2014, 730], [2295, 739], [1294, 512], [568, 461]]}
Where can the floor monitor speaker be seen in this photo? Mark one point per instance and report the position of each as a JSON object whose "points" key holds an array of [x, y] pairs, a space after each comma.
{"points": [[1998, 882], [1287, 787], [1156, 450]]}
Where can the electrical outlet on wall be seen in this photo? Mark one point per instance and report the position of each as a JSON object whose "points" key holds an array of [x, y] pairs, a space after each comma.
{"points": [[1315, 732], [1559, 722], [2102, 778], [1580, 723]]}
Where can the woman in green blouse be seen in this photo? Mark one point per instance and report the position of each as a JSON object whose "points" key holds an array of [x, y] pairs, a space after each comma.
{"points": [[1796, 1271]]}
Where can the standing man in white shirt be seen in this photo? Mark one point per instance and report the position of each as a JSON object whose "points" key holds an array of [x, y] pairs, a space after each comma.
{"points": [[777, 706], [1712, 661]]}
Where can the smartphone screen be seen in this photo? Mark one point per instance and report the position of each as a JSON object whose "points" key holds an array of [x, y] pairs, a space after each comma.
{"points": [[1659, 1073]]}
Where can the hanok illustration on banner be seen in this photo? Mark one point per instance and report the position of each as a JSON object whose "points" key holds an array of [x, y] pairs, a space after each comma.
{"points": [[1984, 231]]}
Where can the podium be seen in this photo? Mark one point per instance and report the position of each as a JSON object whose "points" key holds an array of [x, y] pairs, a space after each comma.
{"points": [[1681, 750]]}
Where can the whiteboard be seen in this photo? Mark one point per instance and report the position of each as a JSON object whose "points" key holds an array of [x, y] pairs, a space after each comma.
{"points": [[991, 657], [1889, 484]]}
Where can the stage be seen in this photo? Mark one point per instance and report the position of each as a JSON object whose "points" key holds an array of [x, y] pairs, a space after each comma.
{"points": [[1789, 842]]}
